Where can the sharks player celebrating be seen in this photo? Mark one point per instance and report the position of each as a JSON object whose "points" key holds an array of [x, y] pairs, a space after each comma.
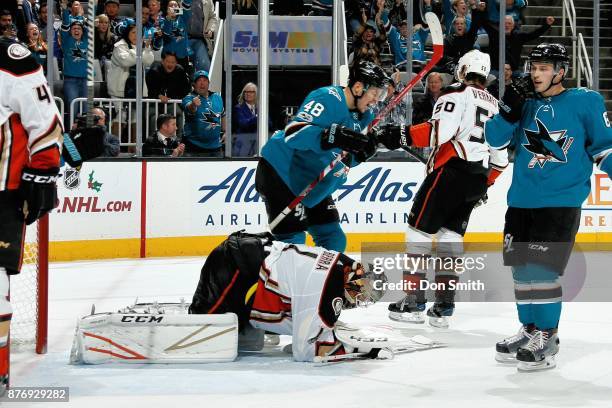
{"points": [[460, 169], [330, 120], [557, 135], [285, 289]]}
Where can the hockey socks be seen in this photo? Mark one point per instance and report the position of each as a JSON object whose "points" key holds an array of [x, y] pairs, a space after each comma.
{"points": [[329, 236], [538, 295]]}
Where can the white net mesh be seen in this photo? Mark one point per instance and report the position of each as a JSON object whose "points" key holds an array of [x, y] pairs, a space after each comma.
{"points": [[24, 293]]}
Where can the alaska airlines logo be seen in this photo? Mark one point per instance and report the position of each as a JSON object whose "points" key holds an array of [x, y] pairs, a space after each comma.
{"points": [[547, 146]]}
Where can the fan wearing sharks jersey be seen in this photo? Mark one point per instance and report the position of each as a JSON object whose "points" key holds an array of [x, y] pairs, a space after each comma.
{"points": [[557, 135], [204, 119], [331, 119]]}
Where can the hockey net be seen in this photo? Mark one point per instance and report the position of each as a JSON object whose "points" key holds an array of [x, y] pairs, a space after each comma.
{"points": [[29, 291]]}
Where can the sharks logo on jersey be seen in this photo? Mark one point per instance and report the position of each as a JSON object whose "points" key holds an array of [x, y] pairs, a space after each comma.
{"points": [[78, 53], [211, 118], [545, 145]]}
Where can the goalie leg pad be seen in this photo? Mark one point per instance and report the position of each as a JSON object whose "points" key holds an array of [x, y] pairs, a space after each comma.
{"points": [[155, 338]]}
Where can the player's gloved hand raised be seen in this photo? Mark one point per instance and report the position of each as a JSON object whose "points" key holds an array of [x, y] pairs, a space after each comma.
{"points": [[361, 146], [515, 96], [83, 144], [393, 136], [38, 192]]}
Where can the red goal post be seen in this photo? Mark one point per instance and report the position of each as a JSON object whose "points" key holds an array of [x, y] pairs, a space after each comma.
{"points": [[29, 291]]}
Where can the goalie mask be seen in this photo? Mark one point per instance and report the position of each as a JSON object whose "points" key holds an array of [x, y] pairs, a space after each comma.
{"points": [[362, 288], [474, 62]]}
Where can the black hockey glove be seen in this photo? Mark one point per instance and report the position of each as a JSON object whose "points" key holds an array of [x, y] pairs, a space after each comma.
{"points": [[393, 136], [38, 192], [83, 144], [515, 96], [345, 139]]}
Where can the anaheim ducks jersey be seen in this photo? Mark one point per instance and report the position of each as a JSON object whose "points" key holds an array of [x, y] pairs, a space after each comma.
{"points": [[458, 122], [31, 131], [300, 293]]}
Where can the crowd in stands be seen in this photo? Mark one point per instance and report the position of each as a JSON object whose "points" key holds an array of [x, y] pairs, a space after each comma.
{"points": [[178, 39]]}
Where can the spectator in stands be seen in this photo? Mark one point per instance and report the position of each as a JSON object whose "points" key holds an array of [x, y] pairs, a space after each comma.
{"points": [[175, 31], [149, 31], [512, 8], [74, 47], [76, 10], [104, 39], [398, 41], [122, 74], [167, 80], [111, 9], [459, 42], [42, 20], [164, 141], [202, 27], [111, 142], [423, 107], [204, 119], [37, 45], [7, 27], [155, 13], [244, 143], [366, 43], [453, 9], [493, 88], [28, 8], [397, 13], [515, 40]]}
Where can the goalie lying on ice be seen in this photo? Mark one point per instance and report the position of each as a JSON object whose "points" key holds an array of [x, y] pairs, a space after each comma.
{"points": [[249, 284], [286, 289]]}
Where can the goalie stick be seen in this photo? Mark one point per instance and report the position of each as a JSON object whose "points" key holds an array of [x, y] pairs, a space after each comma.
{"points": [[438, 50]]}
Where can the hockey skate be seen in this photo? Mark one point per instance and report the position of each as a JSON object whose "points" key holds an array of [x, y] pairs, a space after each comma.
{"points": [[539, 352], [507, 348], [407, 311], [439, 314]]}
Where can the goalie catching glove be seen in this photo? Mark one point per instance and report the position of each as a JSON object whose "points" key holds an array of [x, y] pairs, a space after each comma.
{"points": [[361, 146], [38, 192], [83, 144]]}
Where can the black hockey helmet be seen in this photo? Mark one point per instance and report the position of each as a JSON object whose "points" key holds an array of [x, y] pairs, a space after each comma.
{"points": [[369, 74], [552, 53]]}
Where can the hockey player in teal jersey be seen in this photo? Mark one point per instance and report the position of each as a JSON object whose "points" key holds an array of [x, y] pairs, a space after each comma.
{"points": [[331, 119], [557, 135]]}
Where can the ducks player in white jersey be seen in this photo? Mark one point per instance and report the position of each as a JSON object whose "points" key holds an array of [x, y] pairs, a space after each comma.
{"points": [[31, 140], [285, 288], [460, 169]]}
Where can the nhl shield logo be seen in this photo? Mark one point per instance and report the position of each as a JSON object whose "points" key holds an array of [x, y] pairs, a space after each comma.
{"points": [[72, 178]]}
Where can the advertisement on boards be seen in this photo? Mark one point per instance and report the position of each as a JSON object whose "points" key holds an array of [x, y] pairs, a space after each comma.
{"points": [[99, 201]]}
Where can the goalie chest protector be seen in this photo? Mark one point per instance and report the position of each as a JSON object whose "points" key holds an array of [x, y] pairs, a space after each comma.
{"points": [[229, 272]]}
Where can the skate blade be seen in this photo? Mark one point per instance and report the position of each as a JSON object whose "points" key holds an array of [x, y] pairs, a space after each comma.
{"points": [[439, 322], [406, 318], [505, 358], [546, 364]]}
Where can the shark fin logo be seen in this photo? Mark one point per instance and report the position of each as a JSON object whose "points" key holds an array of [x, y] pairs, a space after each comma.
{"points": [[547, 146]]}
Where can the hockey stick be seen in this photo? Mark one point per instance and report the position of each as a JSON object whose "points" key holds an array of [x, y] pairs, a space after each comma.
{"points": [[437, 38], [438, 50]]}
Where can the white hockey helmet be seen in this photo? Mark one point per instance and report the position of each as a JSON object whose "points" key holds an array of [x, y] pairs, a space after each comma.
{"points": [[475, 62]]}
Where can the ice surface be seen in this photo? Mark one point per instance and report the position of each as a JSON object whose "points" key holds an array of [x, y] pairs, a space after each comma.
{"points": [[464, 374]]}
